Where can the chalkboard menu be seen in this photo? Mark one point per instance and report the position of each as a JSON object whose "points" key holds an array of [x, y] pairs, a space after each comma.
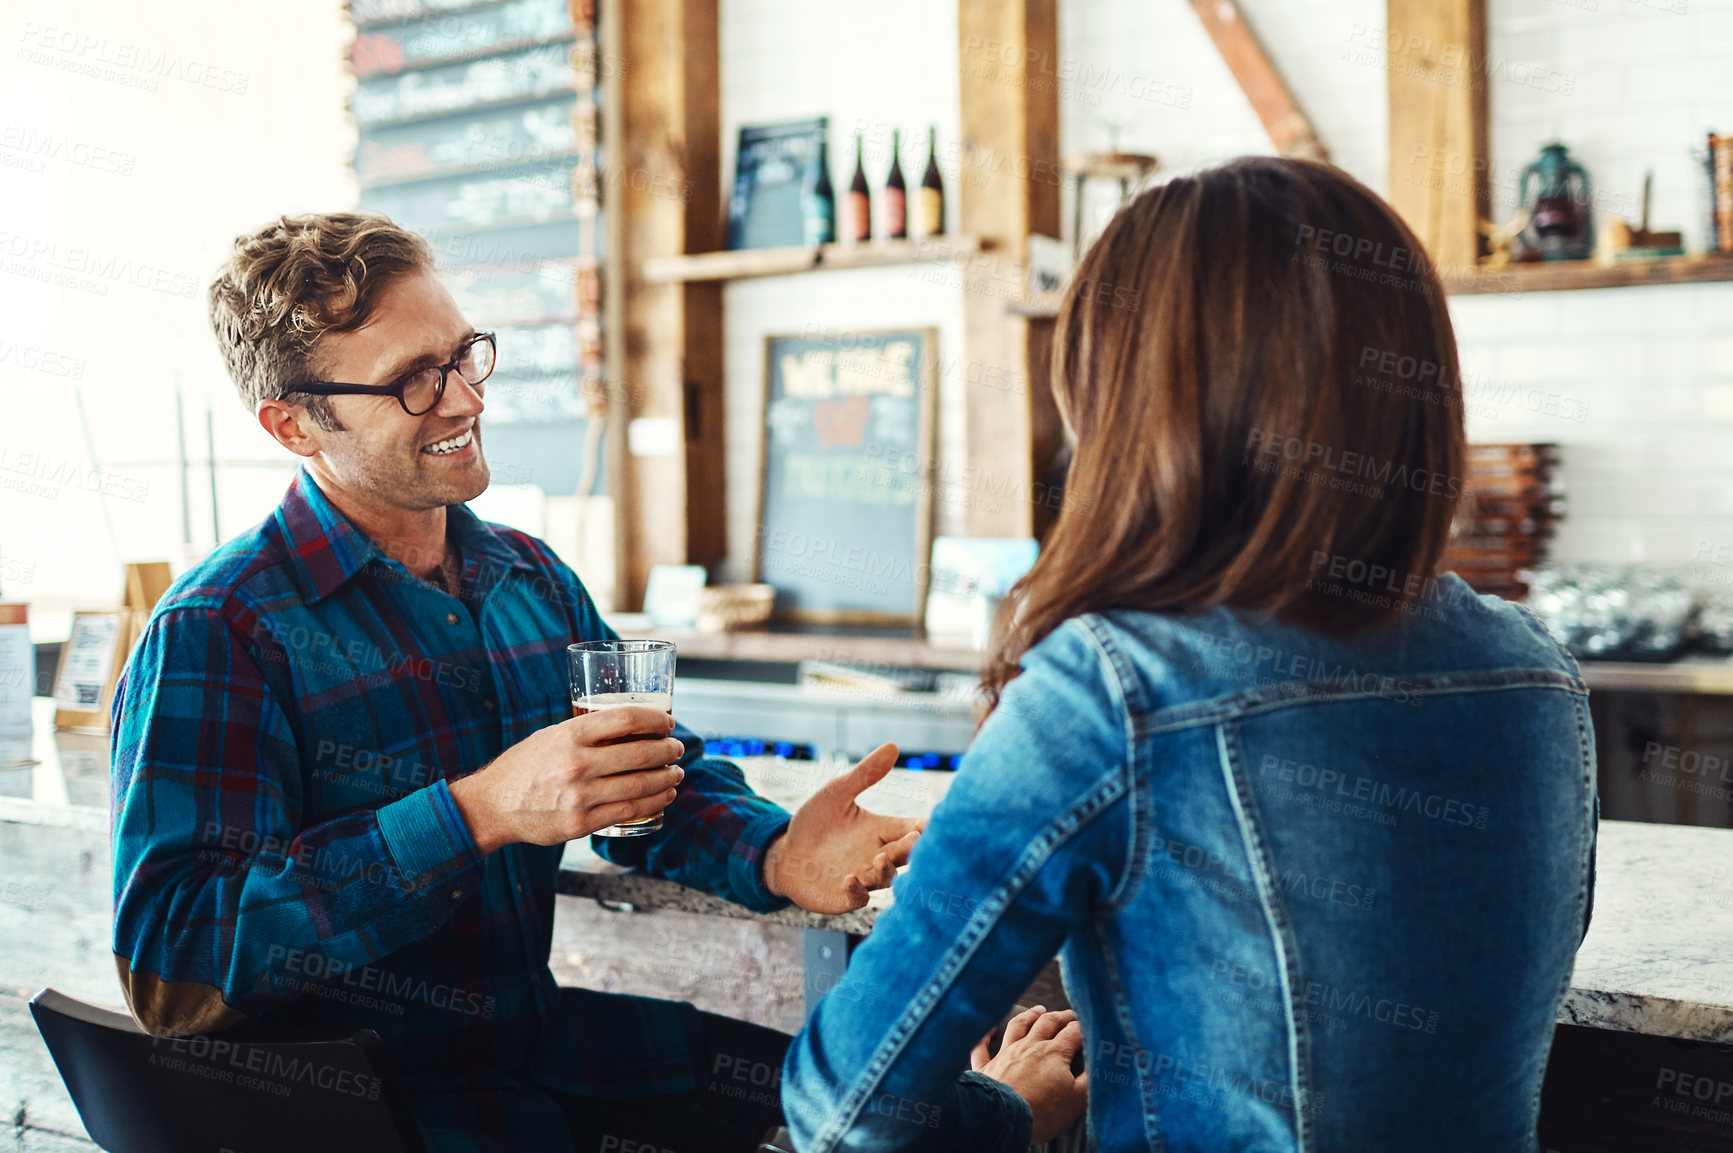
{"points": [[478, 130], [845, 515], [523, 133], [461, 87], [419, 42]]}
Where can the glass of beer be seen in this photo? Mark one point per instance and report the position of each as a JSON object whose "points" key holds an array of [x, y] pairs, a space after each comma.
{"points": [[613, 674]]}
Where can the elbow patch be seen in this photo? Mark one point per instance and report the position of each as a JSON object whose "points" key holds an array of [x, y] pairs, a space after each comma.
{"points": [[173, 1008]]}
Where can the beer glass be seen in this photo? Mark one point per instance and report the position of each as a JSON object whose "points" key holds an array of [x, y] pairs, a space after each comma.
{"points": [[612, 674]]}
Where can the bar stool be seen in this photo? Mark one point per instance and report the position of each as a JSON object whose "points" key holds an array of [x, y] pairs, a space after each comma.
{"points": [[137, 1093]]}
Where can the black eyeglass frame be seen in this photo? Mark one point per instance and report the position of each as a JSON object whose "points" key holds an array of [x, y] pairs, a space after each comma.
{"points": [[397, 387]]}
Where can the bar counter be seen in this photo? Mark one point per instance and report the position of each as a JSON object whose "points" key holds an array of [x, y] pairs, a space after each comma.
{"points": [[1658, 958]]}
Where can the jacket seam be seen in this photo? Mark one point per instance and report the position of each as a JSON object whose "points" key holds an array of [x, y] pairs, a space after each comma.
{"points": [[1204, 714], [1281, 937], [1140, 809], [1068, 825], [1128, 1028]]}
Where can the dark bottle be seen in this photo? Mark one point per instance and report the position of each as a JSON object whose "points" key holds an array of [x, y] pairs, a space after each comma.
{"points": [[818, 200], [930, 202], [857, 219], [895, 205]]}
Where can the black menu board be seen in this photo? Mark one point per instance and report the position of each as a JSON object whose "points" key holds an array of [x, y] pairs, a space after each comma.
{"points": [[845, 512]]}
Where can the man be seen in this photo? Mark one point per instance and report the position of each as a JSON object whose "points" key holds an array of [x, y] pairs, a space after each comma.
{"points": [[344, 771]]}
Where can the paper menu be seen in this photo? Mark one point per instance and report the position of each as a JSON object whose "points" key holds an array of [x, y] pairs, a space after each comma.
{"points": [[89, 656], [17, 684]]}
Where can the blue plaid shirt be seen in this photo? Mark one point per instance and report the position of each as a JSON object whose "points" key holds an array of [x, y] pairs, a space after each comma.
{"points": [[286, 847]]}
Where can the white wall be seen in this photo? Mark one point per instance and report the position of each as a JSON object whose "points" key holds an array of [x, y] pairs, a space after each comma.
{"points": [[893, 64], [1191, 112], [136, 140], [1629, 85]]}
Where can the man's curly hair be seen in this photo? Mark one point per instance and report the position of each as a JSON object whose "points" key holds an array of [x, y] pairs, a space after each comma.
{"points": [[298, 278]]}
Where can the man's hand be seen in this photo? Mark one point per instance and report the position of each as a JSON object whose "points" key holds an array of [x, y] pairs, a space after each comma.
{"points": [[834, 851], [1035, 1062], [570, 779]]}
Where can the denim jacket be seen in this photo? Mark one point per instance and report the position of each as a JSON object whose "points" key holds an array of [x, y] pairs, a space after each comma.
{"points": [[1308, 893]]}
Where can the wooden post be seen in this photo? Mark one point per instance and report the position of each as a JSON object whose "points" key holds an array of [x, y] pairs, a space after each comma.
{"points": [[1436, 52], [1288, 128], [661, 196], [1009, 185]]}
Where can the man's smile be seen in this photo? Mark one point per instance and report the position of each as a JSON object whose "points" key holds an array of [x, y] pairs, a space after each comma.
{"points": [[451, 445]]}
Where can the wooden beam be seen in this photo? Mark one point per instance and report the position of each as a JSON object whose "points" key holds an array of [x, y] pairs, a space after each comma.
{"points": [[1288, 128], [1009, 187], [702, 340], [1436, 56], [661, 197]]}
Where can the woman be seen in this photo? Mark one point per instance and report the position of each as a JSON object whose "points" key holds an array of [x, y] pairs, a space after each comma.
{"points": [[1309, 826]]}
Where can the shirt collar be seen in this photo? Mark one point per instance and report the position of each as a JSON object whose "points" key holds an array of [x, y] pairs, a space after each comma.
{"points": [[326, 549]]}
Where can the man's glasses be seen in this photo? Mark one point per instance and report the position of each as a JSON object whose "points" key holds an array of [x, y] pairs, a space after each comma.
{"points": [[419, 391]]}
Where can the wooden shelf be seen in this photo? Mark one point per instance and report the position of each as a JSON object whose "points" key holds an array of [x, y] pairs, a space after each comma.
{"points": [[752, 262], [1564, 275], [1130, 166], [1549, 276], [1041, 306]]}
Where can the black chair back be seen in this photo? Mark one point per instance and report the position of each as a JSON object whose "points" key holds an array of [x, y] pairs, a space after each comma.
{"points": [[213, 1094]]}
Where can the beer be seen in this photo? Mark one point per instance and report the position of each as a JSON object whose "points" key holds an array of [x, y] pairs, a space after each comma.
{"points": [[584, 706], [614, 674], [595, 704]]}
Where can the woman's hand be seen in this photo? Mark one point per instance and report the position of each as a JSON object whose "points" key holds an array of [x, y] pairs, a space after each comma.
{"points": [[1035, 1061]]}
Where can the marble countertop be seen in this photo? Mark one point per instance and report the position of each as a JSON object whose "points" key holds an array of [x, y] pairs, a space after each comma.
{"points": [[1659, 955], [1658, 958], [902, 793]]}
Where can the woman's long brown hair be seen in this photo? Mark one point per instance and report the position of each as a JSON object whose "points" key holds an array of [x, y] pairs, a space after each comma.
{"points": [[1259, 372]]}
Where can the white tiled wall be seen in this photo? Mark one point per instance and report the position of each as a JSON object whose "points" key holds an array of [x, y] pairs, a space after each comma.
{"points": [[1636, 383], [1649, 466]]}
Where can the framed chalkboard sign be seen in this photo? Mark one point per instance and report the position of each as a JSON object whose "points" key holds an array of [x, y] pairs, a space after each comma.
{"points": [[845, 511]]}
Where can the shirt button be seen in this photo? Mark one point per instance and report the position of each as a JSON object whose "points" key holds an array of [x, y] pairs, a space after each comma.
{"points": [[488, 705], [457, 894], [450, 618]]}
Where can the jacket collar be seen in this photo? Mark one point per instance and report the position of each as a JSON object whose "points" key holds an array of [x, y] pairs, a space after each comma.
{"points": [[326, 549]]}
